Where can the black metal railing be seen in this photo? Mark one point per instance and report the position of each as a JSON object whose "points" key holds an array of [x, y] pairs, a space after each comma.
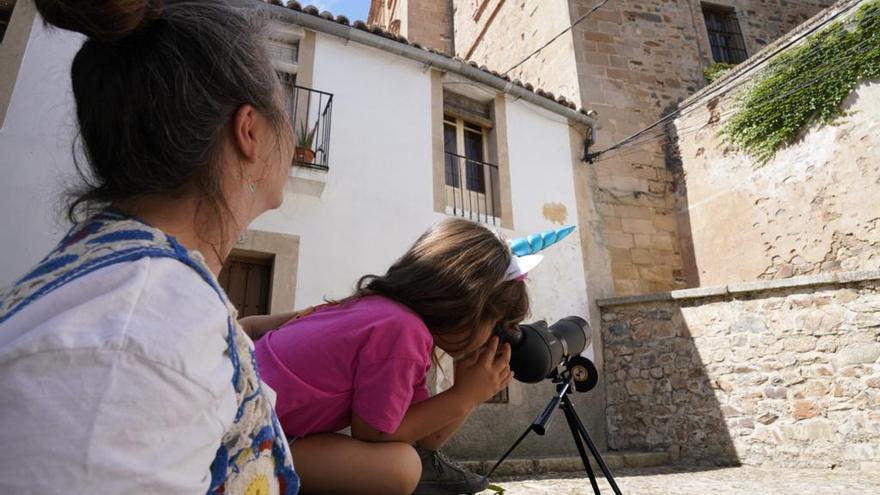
{"points": [[472, 189], [310, 113]]}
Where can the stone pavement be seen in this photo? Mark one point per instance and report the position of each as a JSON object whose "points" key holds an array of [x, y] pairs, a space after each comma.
{"points": [[721, 481]]}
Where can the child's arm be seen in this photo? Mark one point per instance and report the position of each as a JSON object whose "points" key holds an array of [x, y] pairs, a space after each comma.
{"points": [[256, 326], [436, 440], [440, 416]]}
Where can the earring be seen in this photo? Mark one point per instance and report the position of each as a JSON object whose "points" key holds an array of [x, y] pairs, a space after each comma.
{"points": [[252, 187]]}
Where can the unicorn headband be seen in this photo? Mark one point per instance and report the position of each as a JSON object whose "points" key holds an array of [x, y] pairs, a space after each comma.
{"points": [[525, 251]]}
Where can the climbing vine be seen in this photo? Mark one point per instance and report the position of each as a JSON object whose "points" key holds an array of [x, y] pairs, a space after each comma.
{"points": [[807, 84], [715, 71]]}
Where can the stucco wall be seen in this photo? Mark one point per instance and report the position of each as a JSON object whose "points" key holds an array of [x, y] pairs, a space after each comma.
{"points": [[378, 197], [762, 374], [35, 150], [811, 209]]}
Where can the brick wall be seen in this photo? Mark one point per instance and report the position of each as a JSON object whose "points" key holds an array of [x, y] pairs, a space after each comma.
{"points": [[765, 374]]}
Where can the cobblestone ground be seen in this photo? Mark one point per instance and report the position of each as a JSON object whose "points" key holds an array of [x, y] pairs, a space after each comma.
{"points": [[726, 481]]}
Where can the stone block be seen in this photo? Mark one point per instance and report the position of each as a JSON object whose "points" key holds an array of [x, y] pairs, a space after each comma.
{"points": [[804, 409], [816, 429], [800, 343], [624, 270], [858, 354], [643, 241], [635, 226], [619, 240], [637, 212], [665, 223], [662, 242], [639, 387], [644, 257]]}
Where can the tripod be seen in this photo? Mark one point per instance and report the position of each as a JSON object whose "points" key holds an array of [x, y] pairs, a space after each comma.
{"points": [[578, 432]]}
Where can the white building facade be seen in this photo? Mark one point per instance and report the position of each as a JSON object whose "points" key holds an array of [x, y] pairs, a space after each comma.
{"points": [[403, 138]]}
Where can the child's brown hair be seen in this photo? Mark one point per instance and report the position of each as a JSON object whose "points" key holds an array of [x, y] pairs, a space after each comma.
{"points": [[453, 278]]}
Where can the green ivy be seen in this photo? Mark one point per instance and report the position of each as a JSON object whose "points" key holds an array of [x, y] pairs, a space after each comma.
{"points": [[807, 84], [715, 71]]}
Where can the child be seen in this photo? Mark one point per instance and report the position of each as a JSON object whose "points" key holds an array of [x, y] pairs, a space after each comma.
{"points": [[362, 362]]}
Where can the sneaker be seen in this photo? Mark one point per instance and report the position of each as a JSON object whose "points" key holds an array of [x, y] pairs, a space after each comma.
{"points": [[443, 476]]}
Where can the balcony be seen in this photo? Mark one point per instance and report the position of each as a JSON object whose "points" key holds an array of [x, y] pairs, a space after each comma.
{"points": [[310, 112], [472, 189]]}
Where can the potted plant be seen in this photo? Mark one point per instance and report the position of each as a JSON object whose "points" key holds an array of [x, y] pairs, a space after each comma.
{"points": [[304, 140]]}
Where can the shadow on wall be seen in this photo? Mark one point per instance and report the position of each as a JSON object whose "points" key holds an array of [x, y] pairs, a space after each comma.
{"points": [[674, 164], [759, 374], [660, 396]]}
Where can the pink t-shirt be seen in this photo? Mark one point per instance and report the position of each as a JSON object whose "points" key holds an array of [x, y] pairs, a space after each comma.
{"points": [[369, 356]]}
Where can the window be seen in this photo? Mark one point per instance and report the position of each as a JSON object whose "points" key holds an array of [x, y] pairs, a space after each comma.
{"points": [[470, 179], [310, 110], [6, 7], [725, 36], [464, 144], [471, 182]]}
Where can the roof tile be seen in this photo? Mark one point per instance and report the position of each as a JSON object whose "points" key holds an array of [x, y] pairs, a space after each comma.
{"points": [[379, 31]]}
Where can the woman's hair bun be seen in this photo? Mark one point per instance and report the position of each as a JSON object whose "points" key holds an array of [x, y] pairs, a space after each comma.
{"points": [[102, 20]]}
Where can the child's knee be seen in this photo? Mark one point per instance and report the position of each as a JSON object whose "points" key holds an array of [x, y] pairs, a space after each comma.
{"points": [[407, 470]]}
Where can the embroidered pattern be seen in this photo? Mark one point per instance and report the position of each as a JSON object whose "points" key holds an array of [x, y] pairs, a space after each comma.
{"points": [[253, 456]]}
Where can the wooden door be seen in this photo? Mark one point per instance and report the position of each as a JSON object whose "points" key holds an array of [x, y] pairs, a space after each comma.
{"points": [[247, 281]]}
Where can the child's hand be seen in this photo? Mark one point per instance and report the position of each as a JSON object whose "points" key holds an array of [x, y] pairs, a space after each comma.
{"points": [[484, 373]]}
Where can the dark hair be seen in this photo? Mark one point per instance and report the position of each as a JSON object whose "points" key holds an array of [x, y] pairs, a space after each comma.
{"points": [[453, 278], [156, 84]]}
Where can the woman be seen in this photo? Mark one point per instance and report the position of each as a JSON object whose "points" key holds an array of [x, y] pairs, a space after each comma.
{"points": [[122, 367]]}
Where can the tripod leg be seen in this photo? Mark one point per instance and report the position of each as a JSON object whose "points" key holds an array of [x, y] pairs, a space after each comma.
{"points": [[569, 410], [515, 445], [575, 434]]}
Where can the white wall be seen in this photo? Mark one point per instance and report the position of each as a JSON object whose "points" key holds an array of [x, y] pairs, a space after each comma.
{"points": [[377, 199], [379, 194], [35, 151]]}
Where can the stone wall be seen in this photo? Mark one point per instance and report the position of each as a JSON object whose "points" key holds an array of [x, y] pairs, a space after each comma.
{"points": [[812, 209], [501, 33], [426, 22], [631, 61], [636, 60], [781, 373]]}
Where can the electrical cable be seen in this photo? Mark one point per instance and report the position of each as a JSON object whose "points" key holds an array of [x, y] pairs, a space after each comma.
{"points": [[569, 28], [728, 86], [682, 132]]}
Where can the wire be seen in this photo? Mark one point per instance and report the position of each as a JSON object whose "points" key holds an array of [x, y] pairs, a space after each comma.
{"points": [[728, 86], [569, 28], [826, 68]]}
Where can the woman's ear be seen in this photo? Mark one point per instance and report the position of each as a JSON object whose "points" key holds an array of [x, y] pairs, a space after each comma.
{"points": [[244, 135]]}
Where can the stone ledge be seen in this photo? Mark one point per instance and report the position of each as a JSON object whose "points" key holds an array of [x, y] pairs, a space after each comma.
{"points": [[746, 288], [614, 460]]}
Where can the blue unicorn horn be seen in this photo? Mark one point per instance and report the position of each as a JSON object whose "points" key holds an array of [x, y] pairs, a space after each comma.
{"points": [[535, 243]]}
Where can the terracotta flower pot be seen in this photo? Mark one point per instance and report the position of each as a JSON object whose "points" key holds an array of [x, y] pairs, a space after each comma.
{"points": [[303, 155]]}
